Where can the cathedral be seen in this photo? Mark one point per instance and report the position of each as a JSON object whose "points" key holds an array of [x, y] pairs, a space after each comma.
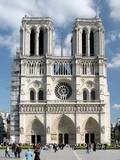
{"points": [[60, 99]]}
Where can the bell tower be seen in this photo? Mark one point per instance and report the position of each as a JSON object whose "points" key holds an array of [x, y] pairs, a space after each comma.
{"points": [[36, 36]]}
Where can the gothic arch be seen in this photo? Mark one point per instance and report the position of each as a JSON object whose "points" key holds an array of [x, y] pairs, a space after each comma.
{"points": [[91, 125], [92, 48], [64, 125], [93, 95], [84, 43], [41, 42], [37, 127], [32, 94], [92, 131], [85, 95], [32, 42], [40, 95]]}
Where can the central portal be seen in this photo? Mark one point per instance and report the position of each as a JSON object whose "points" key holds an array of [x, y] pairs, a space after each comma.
{"points": [[64, 138], [65, 130]]}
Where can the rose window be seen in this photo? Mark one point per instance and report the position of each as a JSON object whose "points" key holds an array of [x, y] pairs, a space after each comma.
{"points": [[63, 90]]}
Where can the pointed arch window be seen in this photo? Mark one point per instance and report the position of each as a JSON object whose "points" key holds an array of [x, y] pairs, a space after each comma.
{"points": [[85, 95], [91, 43], [40, 95], [32, 43], [93, 95], [83, 43], [92, 69], [32, 95], [41, 42]]}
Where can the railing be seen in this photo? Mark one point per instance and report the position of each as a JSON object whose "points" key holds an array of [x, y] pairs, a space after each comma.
{"points": [[62, 102], [62, 108]]}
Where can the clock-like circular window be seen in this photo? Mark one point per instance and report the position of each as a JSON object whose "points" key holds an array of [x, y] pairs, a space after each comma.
{"points": [[63, 90]]}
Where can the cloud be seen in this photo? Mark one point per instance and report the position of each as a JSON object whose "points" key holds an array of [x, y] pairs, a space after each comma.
{"points": [[115, 62], [116, 106], [62, 12], [115, 9], [66, 46], [10, 41], [112, 36]]}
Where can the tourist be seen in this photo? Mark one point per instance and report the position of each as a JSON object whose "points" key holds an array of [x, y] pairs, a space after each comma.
{"points": [[94, 146], [54, 147], [7, 151], [18, 150], [37, 152], [88, 147], [29, 155]]}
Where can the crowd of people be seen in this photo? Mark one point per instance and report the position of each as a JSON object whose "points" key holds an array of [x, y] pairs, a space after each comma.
{"points": [[17, 148]]}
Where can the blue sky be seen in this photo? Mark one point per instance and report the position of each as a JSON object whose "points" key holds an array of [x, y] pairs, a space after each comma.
{"points": [[63, 13]]}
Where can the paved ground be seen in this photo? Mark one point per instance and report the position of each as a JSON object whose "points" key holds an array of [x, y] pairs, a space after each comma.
{"points": [[69, 154], [99, 155]]}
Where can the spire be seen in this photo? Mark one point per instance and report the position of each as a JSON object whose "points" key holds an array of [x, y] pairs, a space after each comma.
{"points": [[97, 9], [97, 12], [61, 44]]}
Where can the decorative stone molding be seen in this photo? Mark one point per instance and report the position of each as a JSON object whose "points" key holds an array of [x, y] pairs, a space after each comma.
{"points": [[61, 108]]}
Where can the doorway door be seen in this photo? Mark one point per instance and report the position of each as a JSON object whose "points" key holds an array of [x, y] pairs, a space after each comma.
{"points": [[60, 138], [87, 138], [66, 138], [92, 138]]}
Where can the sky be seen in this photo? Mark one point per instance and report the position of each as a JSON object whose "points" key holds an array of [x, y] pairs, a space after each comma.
{"points": [[63, 14]]}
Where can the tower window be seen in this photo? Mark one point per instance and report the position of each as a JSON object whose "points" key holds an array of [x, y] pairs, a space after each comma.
{"points": [[40, 95], [91, 43], [32, 95], [83, 43], [85, 95], [84, 68], [41, 42], [32, 43], [93, 96]]}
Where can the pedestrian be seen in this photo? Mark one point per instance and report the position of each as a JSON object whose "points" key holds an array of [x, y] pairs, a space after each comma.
{"points": [[88, 147], [29, 155], [7, 151], [54, 147], [19, 150], [37, 152], [94, 146]]}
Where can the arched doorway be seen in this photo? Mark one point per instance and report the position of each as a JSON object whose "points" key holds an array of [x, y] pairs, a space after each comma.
{"points": [[92, 131], [37, 132], [64, 129]]}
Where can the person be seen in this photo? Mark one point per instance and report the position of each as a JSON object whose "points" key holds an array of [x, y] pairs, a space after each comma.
{"points": [[37, 152], [54, 147], [94, 146], [88, 147], [29, 155], [7, 151]]}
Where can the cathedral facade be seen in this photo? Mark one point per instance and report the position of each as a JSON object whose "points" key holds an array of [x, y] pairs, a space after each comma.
{"points": [[60, 99]]}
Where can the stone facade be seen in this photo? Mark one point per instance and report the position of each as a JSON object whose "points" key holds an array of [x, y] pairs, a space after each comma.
{"points": [[60, 99]]}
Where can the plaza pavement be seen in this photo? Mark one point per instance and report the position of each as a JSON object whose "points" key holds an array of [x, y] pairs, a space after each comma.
{"points": [[69, 154]]}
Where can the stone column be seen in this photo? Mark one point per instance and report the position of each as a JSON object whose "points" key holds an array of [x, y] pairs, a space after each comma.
{"points": [[37, 41], [48, 41], [96, 42], [80, 42], [23, 41], [76, 40], [88, 42], [101, 42], [27, 41]]}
